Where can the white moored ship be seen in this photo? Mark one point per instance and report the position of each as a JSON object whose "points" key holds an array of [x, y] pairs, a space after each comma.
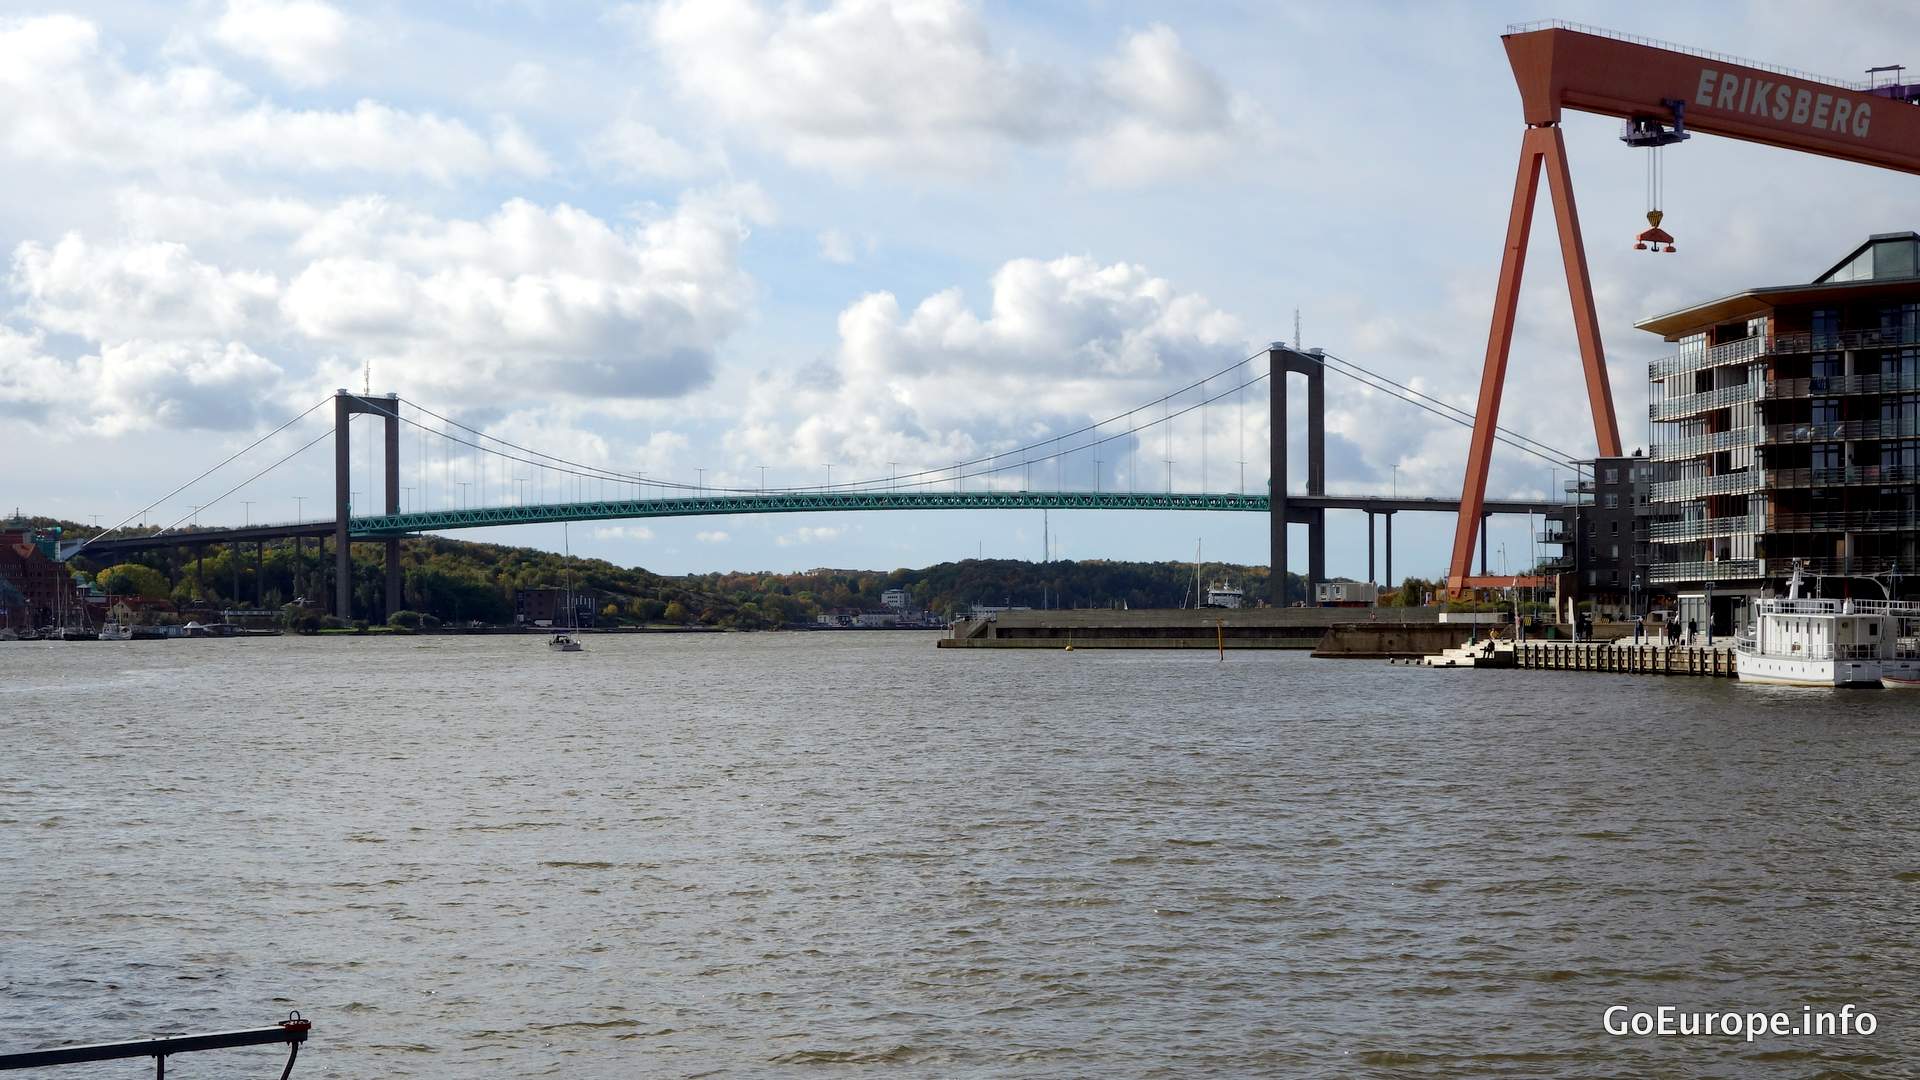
{"points": [[1797, 642], [1901, 669]]}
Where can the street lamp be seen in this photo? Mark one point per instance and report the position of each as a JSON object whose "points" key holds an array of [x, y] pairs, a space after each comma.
{"points": [[300, 509]]}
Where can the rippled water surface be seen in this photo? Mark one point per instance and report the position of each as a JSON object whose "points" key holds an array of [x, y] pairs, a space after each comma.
{"points": [[835, 853]]}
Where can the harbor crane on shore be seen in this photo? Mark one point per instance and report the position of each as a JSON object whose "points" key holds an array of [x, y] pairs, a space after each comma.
{"points": [[1661, 91]]}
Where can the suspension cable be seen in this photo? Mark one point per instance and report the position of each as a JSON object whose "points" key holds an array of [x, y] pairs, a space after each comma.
{"points": [[230, 458]]}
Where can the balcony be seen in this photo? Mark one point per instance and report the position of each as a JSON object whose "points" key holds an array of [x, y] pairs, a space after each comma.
{"points": [[1554, 536], [1696, 445], [1672, 532], [1855, 476], [1850, 521], [1674, 408], [1845, 341], [1839, 385], [1744, 482], [1713, 570], [1733, 352], [1904, 427]]}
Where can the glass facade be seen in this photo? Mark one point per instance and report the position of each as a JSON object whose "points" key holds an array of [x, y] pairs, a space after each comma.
{"points": [[1821, 464]]}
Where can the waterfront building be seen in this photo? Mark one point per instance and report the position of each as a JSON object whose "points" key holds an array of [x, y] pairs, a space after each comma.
{"points": [[1787, 430], [896, 599], [36, 589], [548, 607], [1603, 533]]}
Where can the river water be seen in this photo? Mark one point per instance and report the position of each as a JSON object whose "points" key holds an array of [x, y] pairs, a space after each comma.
{"points": [[780, 854]]}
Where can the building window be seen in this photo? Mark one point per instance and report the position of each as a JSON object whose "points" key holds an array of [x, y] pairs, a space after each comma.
{"points": [[1900, 322], [1613, 528], [1613, 552], [1900, 407], [1826, 326], [1611, 500], [1826, 365], [1613, 476], [1826, 411]]}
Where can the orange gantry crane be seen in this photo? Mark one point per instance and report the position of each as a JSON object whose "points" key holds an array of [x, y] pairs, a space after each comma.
{"points": [[1662, 91]]}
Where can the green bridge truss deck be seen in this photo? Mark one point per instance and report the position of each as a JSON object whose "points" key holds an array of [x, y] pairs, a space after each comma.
{"points": [[794, 503]]}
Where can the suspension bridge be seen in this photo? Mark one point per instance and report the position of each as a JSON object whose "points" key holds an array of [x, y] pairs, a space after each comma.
{"points": [[493, 494]]}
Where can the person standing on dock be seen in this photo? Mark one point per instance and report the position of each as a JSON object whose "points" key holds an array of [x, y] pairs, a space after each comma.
{"points": [[1639, 626]]}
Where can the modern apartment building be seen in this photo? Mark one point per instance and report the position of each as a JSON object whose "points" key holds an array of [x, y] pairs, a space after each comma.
{"points": [[1787, 430], [1603, 532]]}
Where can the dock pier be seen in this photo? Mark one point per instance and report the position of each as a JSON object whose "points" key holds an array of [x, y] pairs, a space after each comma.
{"points": [[1710, 661]]}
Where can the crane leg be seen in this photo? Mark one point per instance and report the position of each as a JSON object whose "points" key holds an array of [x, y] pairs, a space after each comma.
{"points": [[1586, 321], [1506, 297]]}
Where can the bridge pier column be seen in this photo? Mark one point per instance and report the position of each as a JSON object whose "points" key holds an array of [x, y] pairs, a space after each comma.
{"points": [[1277, 478], [1389, 516], [1316, 552], [1316, 373], [392, 593], [342, 507], [1370, 577]]}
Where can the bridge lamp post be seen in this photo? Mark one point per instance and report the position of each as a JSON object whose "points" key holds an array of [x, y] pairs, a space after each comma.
{"points": [[464, 485], [246, 512], [407, 494], [520, 489], [893, 475], [300, 509], [829, 466], [700, 482], [763, 479]]}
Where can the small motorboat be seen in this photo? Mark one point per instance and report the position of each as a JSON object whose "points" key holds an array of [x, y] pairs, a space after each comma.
{"points": [[115, 631], [563, 643]]}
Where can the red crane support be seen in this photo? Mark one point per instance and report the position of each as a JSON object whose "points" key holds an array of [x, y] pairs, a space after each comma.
{"points": [[1590, 71]]}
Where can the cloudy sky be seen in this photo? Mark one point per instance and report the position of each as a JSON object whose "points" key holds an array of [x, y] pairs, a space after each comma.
{"points": [[693, 239]]}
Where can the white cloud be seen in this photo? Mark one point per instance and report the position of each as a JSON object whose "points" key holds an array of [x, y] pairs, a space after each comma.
{"points": [[549, 297], [70, 102], [836, 247], [304, 41], [636, 150], [1062, 341], [711, 536], [866, 84], [808, 534], [134, 386], [548, 302], [136, 290], [623, 532]]}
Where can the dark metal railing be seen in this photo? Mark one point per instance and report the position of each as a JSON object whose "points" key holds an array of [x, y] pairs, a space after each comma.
{"points": [[292, 1031]]}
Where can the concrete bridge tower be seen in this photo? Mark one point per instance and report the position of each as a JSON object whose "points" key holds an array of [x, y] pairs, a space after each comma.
{"points": [[1286, 360], [345, 405]]}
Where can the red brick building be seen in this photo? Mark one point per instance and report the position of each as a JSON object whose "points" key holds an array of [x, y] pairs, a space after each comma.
{"points": [[35, 590]]}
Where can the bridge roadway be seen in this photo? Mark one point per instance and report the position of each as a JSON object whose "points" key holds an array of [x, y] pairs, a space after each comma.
{"points": [[1300, 510]]}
